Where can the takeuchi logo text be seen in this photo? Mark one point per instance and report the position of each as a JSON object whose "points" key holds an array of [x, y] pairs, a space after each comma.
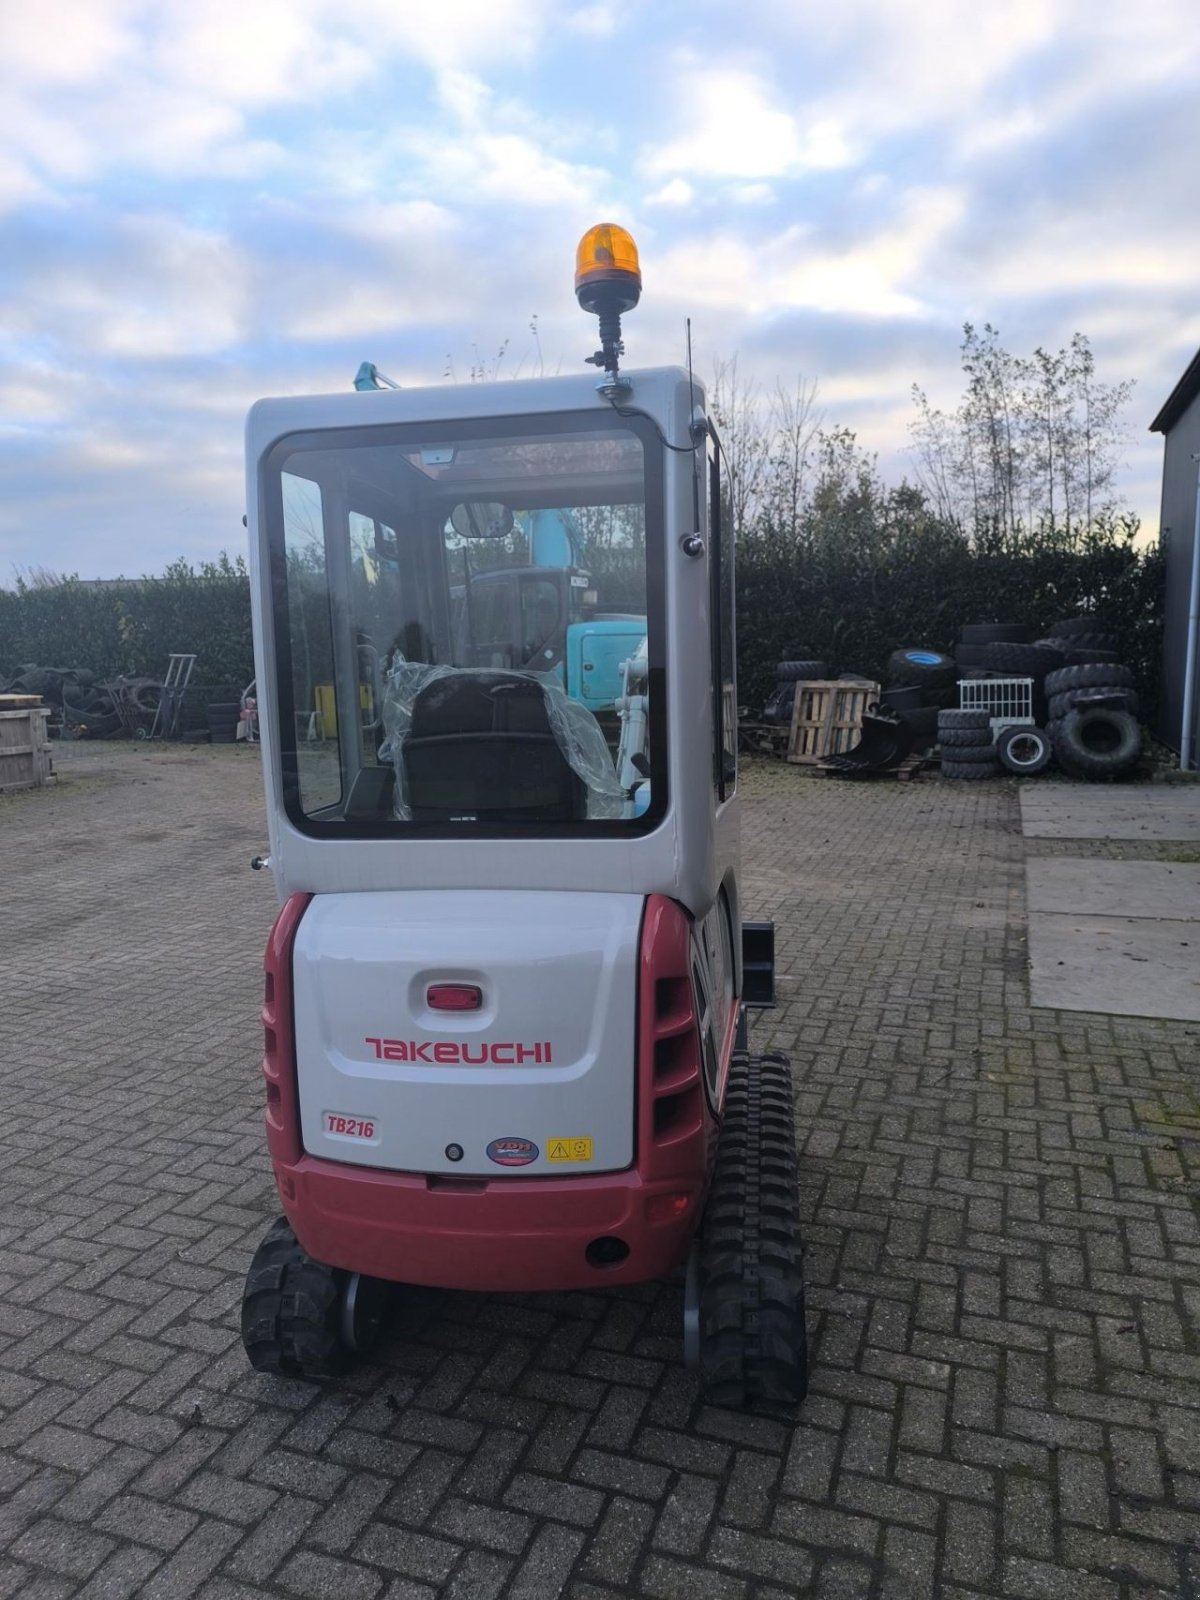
{"points": [[452, 1053]]}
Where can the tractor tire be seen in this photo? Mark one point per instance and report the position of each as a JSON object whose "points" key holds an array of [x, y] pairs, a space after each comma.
{"points": [[1071, 628], [801, 672], [753, 1345], [953, 718], [1074, 699], [1100, 675], [1097, 742], [924, 668], [1087, 655], [301, 1318], [974, 754], [1021, 660], [976, 633], [1091, 641], [955, 738], [969, 656], [970, 771], [1024, 750]]}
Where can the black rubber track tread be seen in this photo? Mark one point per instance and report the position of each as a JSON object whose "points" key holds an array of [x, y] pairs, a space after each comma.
{"points": [[753, 1343], [1023, 737], [290, 1310], [1121, 699], [1099, 675], [1021, 660], [970, 771], [801, 672], [963, 719], [964, 738]]}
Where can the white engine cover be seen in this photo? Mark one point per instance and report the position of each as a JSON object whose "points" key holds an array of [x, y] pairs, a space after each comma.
{"points": [[539, 1079]]}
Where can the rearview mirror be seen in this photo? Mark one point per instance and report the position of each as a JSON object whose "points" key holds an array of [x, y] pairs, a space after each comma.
{"points": [[482, 519]]}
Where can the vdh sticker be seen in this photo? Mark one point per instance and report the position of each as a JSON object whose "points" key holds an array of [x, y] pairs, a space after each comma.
{"points": [[512, 1152]]}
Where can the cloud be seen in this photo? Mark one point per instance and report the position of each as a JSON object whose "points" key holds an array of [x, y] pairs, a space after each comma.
{"points": [[734, 128]]}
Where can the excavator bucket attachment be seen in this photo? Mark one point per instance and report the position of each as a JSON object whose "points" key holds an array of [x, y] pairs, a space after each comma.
{"points": [[885, 742]]}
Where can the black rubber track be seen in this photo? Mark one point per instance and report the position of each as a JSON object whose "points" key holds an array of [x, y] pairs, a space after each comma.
{"points": [[970, 771], [753, 1343], [964, 738], [291, 1310], [963, 719], [1100, 675]]}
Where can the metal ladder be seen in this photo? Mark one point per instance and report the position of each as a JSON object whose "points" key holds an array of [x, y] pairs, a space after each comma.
{"points": [[170, 703]]}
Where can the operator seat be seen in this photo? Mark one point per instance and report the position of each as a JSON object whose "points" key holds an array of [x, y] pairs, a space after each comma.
{"points": [[481, 749]]}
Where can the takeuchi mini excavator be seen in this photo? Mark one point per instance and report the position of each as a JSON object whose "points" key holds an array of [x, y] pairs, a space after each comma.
{"points": [[507, 990]]}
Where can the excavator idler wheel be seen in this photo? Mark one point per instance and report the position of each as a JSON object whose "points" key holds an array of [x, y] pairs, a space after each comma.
{"points": [[302, 1318], [747, 1277]]}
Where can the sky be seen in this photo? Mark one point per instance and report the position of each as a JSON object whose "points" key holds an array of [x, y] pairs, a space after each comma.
{"points": [[203, 202]]}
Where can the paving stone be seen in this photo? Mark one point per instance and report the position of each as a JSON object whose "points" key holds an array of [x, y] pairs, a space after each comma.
{"points": [[1003, 1258]]}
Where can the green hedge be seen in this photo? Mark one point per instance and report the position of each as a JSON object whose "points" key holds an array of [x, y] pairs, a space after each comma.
{"points": [[847, 600], [132, 625], [852, 609]]}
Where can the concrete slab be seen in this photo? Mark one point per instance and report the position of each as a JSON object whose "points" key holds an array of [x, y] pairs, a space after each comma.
{"points": [[1109, 811], [1095, 888], [1119, 966]]}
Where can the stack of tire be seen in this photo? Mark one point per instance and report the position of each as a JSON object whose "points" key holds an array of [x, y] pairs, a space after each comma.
{"points": [[223, 717], [921, 682], [1091, 703], [778, 708], [968, 747]]}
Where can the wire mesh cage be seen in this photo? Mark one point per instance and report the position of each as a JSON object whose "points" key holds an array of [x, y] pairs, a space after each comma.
{"points": [[1007, 701]]}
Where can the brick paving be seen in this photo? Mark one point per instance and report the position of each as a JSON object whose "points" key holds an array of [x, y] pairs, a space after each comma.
{"points": [[1001, 1208]]}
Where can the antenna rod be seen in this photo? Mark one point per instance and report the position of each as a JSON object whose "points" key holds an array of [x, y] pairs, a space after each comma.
{"points": [[693, 432]]}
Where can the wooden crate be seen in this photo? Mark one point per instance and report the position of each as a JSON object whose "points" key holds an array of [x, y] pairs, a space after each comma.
{"points": [[827, 719], [24, 747]]}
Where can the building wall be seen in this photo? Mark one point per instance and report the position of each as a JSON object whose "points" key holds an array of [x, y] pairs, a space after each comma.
{"points": [[1178, 524]]}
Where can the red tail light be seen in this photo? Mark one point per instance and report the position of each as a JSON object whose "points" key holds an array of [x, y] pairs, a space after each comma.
{"points": [[454, 997]]}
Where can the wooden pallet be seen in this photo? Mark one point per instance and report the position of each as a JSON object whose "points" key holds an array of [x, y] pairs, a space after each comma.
{"points": [[827, 719]]}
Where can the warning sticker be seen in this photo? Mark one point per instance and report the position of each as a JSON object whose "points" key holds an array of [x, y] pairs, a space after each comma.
{"points": [[577, 1149]]}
